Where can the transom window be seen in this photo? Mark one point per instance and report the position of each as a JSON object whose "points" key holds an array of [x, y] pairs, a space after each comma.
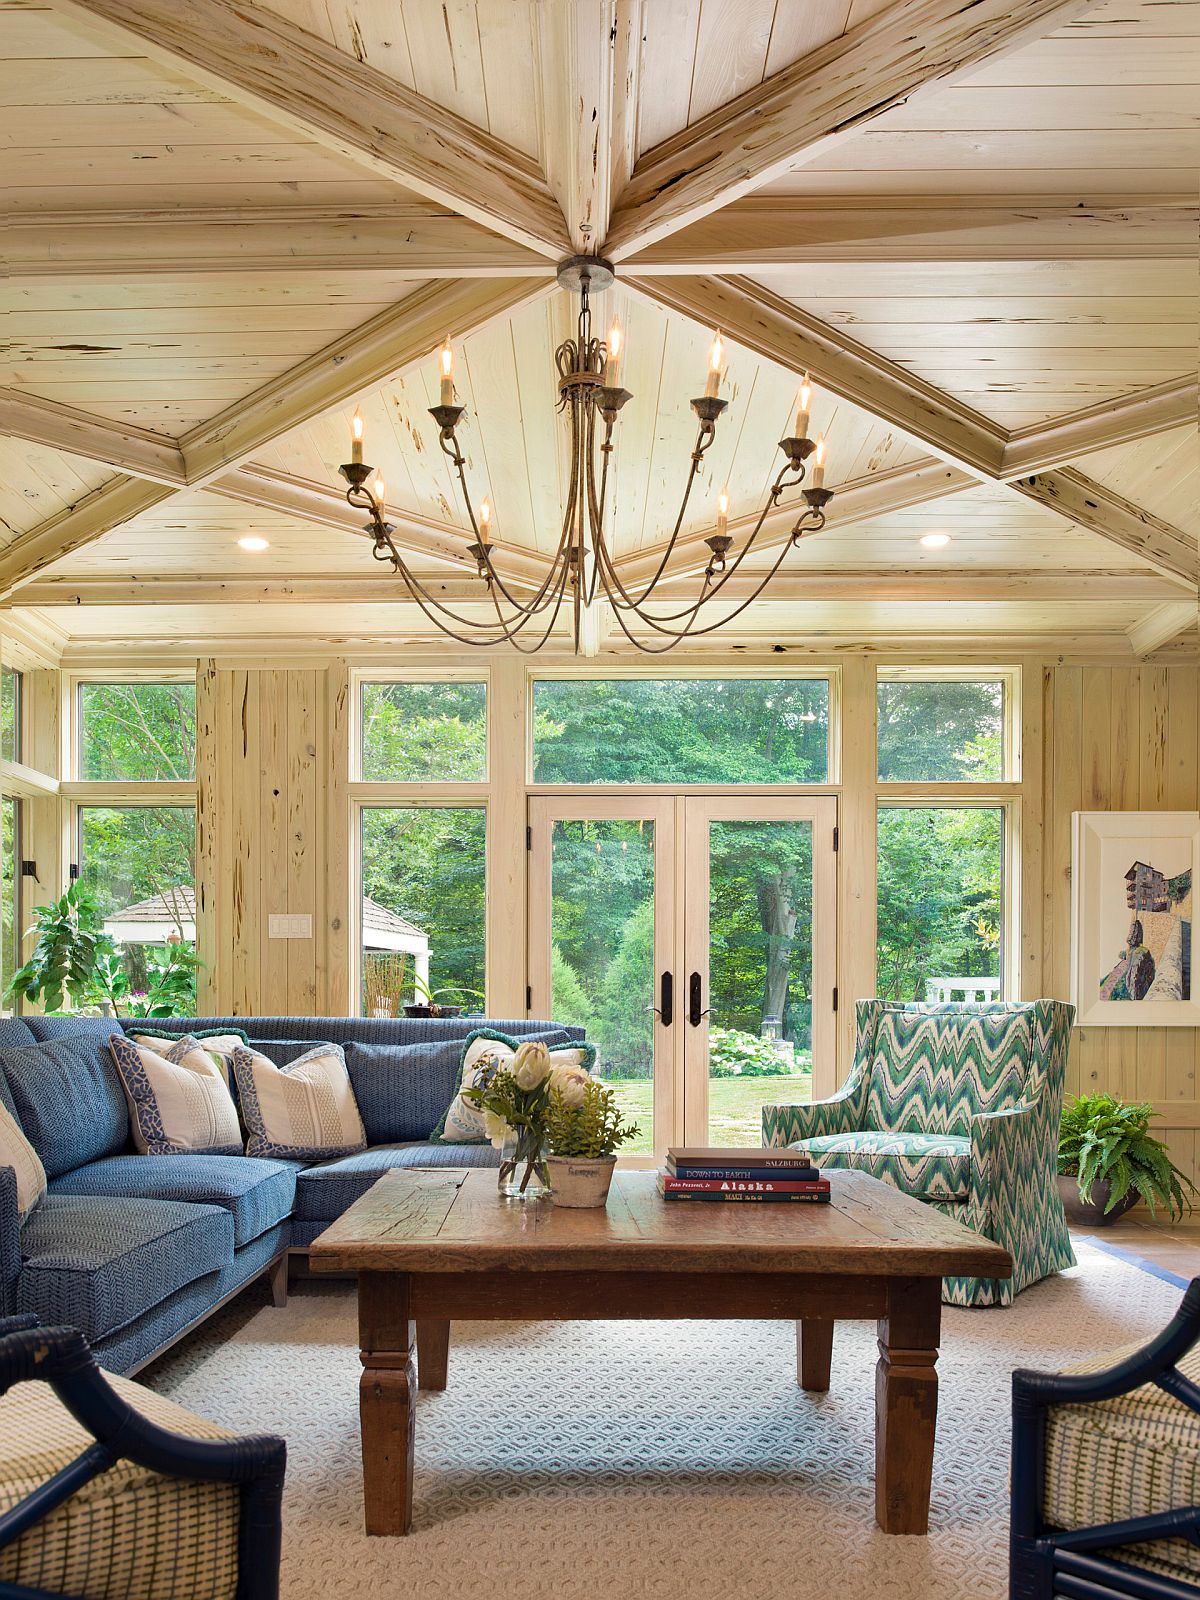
{"points": [[424, 732], [681, 730], [943, 728], [137, 732]]}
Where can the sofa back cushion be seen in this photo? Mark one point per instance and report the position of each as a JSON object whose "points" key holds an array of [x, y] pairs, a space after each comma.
{"points": [[932, 1072], [69, 1100], [45, 1028], [15, 1031]]}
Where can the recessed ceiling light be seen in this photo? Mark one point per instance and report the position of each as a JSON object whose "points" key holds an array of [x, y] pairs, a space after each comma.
{"points": [[935, 541], [254, 542]]}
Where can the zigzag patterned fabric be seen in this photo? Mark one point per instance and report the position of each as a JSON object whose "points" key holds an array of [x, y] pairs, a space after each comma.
{"points": [[932, 1166], [990, 1074]]}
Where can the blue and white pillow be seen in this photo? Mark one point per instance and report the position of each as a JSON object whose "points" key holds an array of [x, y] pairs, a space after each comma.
{"points": [[304, 1111], [486, 1052], [179, 1100]]}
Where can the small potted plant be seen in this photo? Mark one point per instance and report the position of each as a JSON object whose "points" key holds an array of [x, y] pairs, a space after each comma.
{"points": [[427, 1004], [1108, 1160], [584, 1128]]}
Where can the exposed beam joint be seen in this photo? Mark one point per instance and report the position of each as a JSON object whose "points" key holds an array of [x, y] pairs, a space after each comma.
{"points": [[1098, 509], [1158, 627], [809, 108], [268, 63], [120, 445], [1101, 427]]}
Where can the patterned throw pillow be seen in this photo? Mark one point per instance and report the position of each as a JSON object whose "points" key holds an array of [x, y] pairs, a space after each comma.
{"points": [[304, 1111], [486, 1052], [220, 1043], [179, 1100], [17, 1152]]}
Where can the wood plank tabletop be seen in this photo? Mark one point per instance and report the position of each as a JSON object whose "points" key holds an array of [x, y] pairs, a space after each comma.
{"points": [[451, 1220]]}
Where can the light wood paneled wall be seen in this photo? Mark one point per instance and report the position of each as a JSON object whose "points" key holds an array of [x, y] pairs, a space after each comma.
{"points": [[1120, 738]]}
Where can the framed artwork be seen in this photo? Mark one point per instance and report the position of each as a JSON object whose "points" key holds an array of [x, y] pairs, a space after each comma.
{"points": [[1132, 877]]}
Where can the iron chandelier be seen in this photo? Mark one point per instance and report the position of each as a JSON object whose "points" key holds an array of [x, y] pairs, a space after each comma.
{"points": [[583, 571]]}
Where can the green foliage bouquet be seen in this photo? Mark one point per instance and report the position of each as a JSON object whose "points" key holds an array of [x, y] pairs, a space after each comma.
{"points": [[583, 1121], [1105, 1140]]}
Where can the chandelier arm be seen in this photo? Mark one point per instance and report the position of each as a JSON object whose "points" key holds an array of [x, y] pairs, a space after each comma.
{"points": [[529, 650], [705, 436], [431, 605]]}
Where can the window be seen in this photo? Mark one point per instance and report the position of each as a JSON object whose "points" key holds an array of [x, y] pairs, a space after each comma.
{"points": [[10, 895], [944, 729], [137, 732], [11, 686], [940, 923], [140, 862], [423, 906], [681, 731], [424, 732]]}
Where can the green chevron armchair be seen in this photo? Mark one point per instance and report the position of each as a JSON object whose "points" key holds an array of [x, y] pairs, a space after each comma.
{"points": [[959, 1106]]}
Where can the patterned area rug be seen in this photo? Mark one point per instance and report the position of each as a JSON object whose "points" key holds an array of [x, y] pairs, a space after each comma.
{"points": [[652, 1459]]}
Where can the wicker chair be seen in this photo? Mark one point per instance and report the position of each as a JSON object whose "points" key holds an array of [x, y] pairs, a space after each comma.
{"points": [[108, 1490], [1106, 1473]]}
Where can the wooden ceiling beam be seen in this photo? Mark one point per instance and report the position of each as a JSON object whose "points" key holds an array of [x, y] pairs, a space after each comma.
{"points": [[1090, 505], [162, 589], [106, 508], [589, 54], [1101, 427], [410, 238], [763, 233], [1160, 626], [813, 105], [119, 445], [268, 63], [773, 328]]}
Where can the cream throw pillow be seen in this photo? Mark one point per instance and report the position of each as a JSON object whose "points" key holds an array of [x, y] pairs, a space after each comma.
{"points": [[179, 1101], [305, 1111], [17, 1152], [485, 1053], [220, 1046]]}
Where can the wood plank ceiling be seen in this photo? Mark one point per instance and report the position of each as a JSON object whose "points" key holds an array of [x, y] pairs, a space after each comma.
{"points": [[977, 225]]}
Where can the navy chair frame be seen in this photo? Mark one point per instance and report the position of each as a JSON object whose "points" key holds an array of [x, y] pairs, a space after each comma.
{"points": [[61, 1358], [1046, 1562]]}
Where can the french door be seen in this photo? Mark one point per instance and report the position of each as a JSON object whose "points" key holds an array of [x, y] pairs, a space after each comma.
{"points": [[694, 935]]}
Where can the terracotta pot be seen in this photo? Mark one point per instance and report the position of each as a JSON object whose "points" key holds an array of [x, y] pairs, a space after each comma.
{"points": [[1090, 1213], [579, 1181]]}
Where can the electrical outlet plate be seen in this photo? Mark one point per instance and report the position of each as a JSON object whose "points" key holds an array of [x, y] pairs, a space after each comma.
{"points": [[290, 927]]}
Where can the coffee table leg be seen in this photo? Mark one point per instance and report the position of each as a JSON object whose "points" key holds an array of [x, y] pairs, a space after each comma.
{"points": [[433, 1353], [387, 1395], [814, 1352], [906, 1404]]}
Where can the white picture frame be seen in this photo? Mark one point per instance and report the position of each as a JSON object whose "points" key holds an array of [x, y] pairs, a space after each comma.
{"points": [[1133, 881]]}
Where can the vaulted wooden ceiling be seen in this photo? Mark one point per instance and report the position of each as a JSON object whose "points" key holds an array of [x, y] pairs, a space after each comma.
{"points": [[975, 223]]}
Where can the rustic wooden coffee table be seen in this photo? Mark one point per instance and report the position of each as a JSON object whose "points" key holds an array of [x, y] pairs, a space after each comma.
{"points": [[435, 1247]]}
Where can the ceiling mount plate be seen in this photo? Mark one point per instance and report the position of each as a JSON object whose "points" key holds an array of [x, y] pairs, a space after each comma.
{"points": [[598, 271]]}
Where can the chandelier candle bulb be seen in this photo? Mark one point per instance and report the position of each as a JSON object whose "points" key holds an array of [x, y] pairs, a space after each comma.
{"points": [[485, 521], [379, 490], [612, 363], [715, 354], [803, 402], [818, 477], [723, 512], [446, 357], [356, 438]]}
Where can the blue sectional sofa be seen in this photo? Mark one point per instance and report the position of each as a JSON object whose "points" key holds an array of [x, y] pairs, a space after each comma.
{"points": [[134, 1250]]}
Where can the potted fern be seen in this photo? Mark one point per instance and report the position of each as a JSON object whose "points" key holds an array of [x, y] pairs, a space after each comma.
{"points": [[1108, 1160], [584, 1128]]}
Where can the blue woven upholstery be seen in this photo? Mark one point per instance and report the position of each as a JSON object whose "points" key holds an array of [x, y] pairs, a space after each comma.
{"points": [[14, 1031], [10, 1240], [341, 1030], [324, 1192], [97, 1264], [99, 1028], [69, 1099], [258, 1193]]}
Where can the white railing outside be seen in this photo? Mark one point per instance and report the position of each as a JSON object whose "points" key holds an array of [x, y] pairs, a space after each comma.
{"points": [[939, 991]]}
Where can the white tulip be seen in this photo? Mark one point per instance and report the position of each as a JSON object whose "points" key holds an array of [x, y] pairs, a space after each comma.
{"points": [[496, 1128], [531, 1065]]}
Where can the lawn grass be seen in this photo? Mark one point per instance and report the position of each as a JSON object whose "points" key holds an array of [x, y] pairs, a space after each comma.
{"points": [[734, 1106]]}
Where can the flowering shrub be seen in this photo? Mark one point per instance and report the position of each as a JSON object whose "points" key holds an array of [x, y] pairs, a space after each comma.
{"points": [[733, 1054]]}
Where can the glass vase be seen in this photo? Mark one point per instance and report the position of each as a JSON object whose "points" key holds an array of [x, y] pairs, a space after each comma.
{"points": [[523, 1171]]}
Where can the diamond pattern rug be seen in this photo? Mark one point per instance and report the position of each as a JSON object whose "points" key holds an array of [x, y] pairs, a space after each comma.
{"points": [[579, 1461]]}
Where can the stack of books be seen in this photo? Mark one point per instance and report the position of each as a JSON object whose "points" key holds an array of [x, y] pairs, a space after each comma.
{"points": [[693, 1173]]}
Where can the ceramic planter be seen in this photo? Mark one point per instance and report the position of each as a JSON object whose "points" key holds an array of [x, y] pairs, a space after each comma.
{"points": [[580, 1181], [1090, 1213]]}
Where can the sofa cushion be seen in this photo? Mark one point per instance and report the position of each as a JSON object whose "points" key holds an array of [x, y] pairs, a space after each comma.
{"points": [[44, 1028], [324, 1192], [402, 1089], [931, 1073], [15, 1031], [178, 1096], [1130, 1457], [69, 1100], [258, 1193], [129, 1534], [929, 1166], [17, 1152], [485, 1052], [304, 1111], [99, 1263]]}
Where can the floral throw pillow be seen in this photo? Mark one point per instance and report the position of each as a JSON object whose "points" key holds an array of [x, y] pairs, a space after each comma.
{"points": [[486, 1052]]}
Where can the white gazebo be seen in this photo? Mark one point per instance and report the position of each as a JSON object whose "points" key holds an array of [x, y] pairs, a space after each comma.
{"points": [[172, 915]]}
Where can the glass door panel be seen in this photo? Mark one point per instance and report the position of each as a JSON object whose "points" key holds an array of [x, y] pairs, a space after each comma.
{"points": [[600, 929], [760, 961]]}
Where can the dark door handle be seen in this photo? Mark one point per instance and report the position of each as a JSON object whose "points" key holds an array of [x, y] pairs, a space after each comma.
{"points": [[665, 1010], [695, 1014]]}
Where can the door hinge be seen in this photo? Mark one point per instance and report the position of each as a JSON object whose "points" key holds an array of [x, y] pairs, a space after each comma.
{"points": [[528, 836], [835, 838], [835, 999], [529, 997]]}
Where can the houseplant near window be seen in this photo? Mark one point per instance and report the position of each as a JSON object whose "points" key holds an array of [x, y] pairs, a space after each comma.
{"points": [[427, 1003], [515, 1102], [1108, 1160], [584, 1128]]}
